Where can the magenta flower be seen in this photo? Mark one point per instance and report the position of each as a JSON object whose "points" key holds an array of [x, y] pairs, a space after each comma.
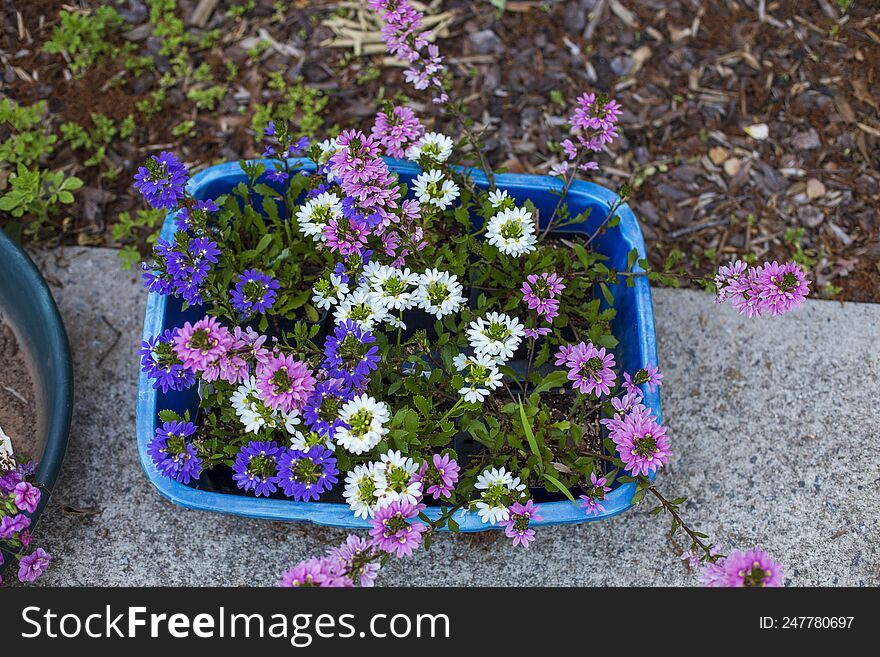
{"points": [[354, 559], [536, 333], [727, 276], [595, 495], [33, 565], [346, 235], [285, 383], [439, 477], [540, 292], [396, 128], [26, 496], [12, 525], [590, 369], [517, 526], [743, 569], [648, 375], [641, 442], [315, 573], [781, 287], [201, 344], [392, 530]]}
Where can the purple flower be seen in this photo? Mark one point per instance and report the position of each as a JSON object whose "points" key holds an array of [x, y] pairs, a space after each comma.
{"points": [[590, 369], [285, 383], [595, 494], [9, 480], [743, 569], [536, 333], [354, 559], [269, 131], [254, 292], [12, 525], [350, 353], [197, 218], [174, 456], [439, 477], [726, 277], [26, 496], [540, 294], [33, 565], [304, 475], [393, 532], [315, 573], [256, 467], [648, 375], [641, 442], [277, 175], [517, 526], [160, 363], [396, 128], [781, 287], [321, 412], [347, 236], [162, 181]]}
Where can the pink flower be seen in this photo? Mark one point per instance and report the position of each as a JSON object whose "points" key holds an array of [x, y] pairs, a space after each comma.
{"points": [[199, 345], [753, 568], [285, 383], [517, 526], [590, 369], [324, 573], [641, 442], [347, 236], [648, 375], [396, 128], [354, 559], [439, 477], [781, 287], [26, 496], [595, 494], [392, 530]]}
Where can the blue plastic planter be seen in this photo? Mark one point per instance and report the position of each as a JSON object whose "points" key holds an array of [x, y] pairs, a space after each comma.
{"points": [[633, 327], [27, 306]]}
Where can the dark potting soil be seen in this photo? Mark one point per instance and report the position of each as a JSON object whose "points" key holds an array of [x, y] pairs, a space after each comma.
{"points": [[18, 414]]}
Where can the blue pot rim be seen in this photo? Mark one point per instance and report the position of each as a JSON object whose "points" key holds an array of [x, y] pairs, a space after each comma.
{"points": [[340, 515]]}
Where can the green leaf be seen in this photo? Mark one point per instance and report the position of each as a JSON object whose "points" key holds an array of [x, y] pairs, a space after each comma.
{"points": [[562, 488], [553, 380], [265, 241], [529, 435]]}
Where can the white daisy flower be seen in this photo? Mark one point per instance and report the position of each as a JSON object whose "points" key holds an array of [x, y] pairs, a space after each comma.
{"points": [[366, 418], [500, 490], [393, 479], [391, 287], [438, 293], [432, 188], [481, 376], [495, 335], [512, 231], [304, 440], [498, 198], [249, 407], [360, 490], [360, 306], [5, 447], [434, 145], [328, 293], [316, 213]]}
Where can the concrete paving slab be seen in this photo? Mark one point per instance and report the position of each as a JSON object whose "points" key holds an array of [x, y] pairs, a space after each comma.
{"points": [[774, 425]]}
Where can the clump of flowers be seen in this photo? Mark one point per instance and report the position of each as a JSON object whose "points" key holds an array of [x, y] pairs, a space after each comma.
{"points": [[432, 347], [19, 498]]}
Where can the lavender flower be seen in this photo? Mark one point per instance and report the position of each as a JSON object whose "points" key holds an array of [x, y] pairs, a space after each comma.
{"points": [[771, 289], [438, 476], [12, 525], [354, 559], [33, 565], [517, 526], [256, 467], [648, 375], [595, 494], [201, 344], [396, 128], [162, 181], [641, 442], [315, 573], [26, 496], [174, 456], [743, 569], [254, 293], [304, 475], [589, 368], [540, 294], [393, 530]]}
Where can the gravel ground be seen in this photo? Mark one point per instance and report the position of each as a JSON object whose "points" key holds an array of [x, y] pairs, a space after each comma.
{"points": [[771, 437]]}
